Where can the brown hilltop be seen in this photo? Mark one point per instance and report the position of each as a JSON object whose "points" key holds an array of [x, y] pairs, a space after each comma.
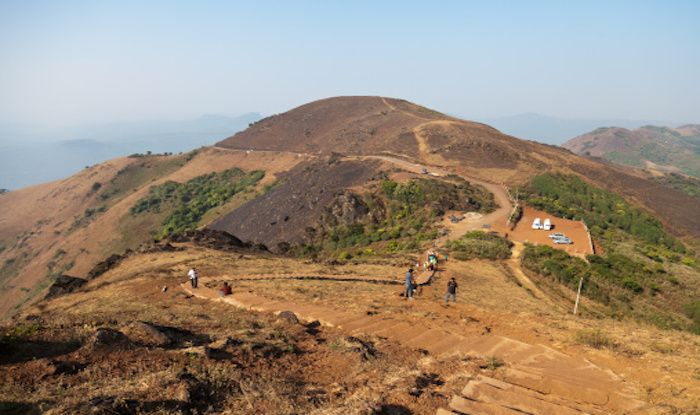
{"points": [[392, 127], [378, 125]]}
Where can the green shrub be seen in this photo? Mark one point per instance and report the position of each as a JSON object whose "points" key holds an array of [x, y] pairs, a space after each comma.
{"points": [[692, 310], [477, 244], [596, 339], [191, 200]]}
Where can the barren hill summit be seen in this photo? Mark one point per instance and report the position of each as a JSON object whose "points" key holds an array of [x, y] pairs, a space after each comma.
{"points": [[378, 125]]}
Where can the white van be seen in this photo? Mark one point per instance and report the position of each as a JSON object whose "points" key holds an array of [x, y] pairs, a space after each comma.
{"points": [[537, 223], [547, 224]]}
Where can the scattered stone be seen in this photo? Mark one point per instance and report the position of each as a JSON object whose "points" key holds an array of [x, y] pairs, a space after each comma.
{"points": [[226, 343], [204, 351], [189, 388], [424, 381], [366, 349], [64, 284], [147, 334], [288, 316], [105, 338], [312, 328], [66, 367]]}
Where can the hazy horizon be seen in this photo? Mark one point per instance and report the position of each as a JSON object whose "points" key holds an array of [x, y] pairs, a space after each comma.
{"points": [[78, 63]]}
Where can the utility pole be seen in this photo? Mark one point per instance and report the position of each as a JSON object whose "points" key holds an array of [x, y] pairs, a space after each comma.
{"points": [[578, 296]]}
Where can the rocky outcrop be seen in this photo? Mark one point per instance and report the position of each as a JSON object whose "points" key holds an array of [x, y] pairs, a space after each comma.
{"points": [[216, 239], [106, 338], [147, 334], [63, 285], [109, 263], [345, 209]]}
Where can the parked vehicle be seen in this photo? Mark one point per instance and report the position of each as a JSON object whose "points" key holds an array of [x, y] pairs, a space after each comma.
{"points": [[537, 223], [565, 241], [547, 225], [557, 235]]}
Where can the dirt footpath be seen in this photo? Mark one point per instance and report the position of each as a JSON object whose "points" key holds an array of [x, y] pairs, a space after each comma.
{"points": [[523, 232]]}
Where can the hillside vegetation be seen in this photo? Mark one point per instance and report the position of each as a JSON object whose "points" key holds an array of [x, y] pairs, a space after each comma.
{"points": [[669, 149], [639, 273], [478, 244], [603, 212], [191, 200], [686, 184], [391, 217]]}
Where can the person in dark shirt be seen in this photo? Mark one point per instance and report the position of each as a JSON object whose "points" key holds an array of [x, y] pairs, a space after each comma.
{"points": [[451, 291], [409, 284]]}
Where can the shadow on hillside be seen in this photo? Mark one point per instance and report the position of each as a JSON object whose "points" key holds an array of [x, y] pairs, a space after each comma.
{"points": [[114, 405], [393, 410], [180, 337], [25, 350], [19, 408]]}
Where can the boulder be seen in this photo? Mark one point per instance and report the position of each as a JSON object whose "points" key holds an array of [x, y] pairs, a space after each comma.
{"points": [[105, 338], [288, 317], [147, 334], [63, 285], [107, 264]]}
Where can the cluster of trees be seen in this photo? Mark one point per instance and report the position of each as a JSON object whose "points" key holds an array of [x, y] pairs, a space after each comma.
{"points": [[601, 272], [570, 197], [150, 153], [478, 244], [614, 280], [191, 200]]}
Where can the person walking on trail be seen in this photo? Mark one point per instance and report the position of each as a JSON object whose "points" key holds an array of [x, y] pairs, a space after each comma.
{"points": [[194, 275], [451, 291], [409, 284]]}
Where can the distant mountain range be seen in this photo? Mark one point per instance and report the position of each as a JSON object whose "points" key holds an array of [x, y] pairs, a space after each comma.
{"points": [[28, 157], [555, 130], [658, 149]]}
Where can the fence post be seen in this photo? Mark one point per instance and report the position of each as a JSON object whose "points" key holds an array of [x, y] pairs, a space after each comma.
{"points": [[578, 295]]}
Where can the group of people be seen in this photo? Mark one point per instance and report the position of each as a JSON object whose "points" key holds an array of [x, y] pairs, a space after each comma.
{"points": [[412, 286], [193, 274]]}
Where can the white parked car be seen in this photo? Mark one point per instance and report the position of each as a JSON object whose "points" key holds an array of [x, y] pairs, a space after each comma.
{"points": [[557, 235], [547, 225], [537, 223], [565, 241]]}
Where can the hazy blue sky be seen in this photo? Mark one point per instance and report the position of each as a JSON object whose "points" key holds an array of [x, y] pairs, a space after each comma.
{"points": [[67, 62]]}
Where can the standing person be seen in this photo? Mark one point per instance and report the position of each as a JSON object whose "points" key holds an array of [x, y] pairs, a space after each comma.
{"points": [[409, 284], [194, 275], [451, 291]]}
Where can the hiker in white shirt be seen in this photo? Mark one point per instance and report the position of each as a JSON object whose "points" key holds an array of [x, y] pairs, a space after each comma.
{"points": [[193, 274]]}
